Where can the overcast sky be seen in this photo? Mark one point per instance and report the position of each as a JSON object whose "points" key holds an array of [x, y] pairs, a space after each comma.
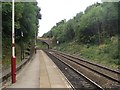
{"points": [[54, 11]]}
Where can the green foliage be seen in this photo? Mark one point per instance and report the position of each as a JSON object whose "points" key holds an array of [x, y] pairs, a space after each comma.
{"points": [[57, 32], [6, 19], [69, 33], [104, 54], [91, 34], [26, 21], [98, 22], [41, 45]]}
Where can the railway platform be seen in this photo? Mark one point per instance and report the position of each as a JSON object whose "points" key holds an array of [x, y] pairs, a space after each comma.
{"points": [[41, 72], [50, 75]]}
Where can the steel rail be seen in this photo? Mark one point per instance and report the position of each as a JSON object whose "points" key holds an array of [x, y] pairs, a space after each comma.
{"points": [[89, 80], [101, 67]]}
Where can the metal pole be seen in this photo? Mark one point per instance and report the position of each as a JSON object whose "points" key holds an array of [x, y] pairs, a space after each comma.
{"points": [[22, 47], [35, 41], [13, 59]]}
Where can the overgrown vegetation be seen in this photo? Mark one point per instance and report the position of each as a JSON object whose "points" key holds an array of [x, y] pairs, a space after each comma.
{"points": [[26, 26], [41, 45], [104, 54], [92, 34]]}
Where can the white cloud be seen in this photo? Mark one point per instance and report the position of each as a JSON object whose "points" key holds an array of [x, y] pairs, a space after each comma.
{"points": [[54, 11]]}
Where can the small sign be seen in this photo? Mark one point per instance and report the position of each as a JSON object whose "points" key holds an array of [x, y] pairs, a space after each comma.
{"points": [[57, 42]]}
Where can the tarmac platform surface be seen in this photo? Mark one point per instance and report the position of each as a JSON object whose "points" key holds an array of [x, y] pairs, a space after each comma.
{"points": [[41, 72]]}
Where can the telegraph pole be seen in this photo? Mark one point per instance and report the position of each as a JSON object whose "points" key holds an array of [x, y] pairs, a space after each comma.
{"points": [[13, 59]]}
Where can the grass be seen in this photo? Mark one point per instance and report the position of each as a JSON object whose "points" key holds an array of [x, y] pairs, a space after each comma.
{"points": [[105, 54], [42, 45], [6, 59], [6, 54]]}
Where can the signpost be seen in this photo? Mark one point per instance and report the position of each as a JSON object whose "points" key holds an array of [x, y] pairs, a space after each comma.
{"points": [[13, 59]]}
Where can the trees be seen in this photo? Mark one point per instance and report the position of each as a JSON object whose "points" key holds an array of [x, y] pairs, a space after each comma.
{"points": [[98, 22], [69, 32], [26, 19], [26, 22], [6, 28]]}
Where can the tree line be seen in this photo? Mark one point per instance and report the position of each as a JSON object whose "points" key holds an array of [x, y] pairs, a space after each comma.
{"points": [[98, 22], [27, 15]]}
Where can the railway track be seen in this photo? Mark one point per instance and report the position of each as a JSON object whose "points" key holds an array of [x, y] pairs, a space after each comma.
{"points": [[99, 76]]}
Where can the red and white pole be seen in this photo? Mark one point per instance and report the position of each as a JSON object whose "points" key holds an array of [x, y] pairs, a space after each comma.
{"points": [[13, 59]]}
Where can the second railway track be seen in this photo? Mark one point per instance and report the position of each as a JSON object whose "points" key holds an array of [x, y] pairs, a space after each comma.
{"points": [[100, 76]]}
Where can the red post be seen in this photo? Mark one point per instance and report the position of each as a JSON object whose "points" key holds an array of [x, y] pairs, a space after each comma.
{"points": [[13, 69], [13, 58]]}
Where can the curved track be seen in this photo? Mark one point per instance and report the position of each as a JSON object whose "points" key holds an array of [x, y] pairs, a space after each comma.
{"points": [[100, 76]]}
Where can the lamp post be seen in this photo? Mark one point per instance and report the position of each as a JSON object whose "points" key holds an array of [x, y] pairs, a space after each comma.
{"points": [[13, 58], [21, 46], [35, 41]]}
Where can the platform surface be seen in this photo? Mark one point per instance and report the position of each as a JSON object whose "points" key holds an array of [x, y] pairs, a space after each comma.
{"points": [[41, 72], [50, 75], [29, 76]]}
